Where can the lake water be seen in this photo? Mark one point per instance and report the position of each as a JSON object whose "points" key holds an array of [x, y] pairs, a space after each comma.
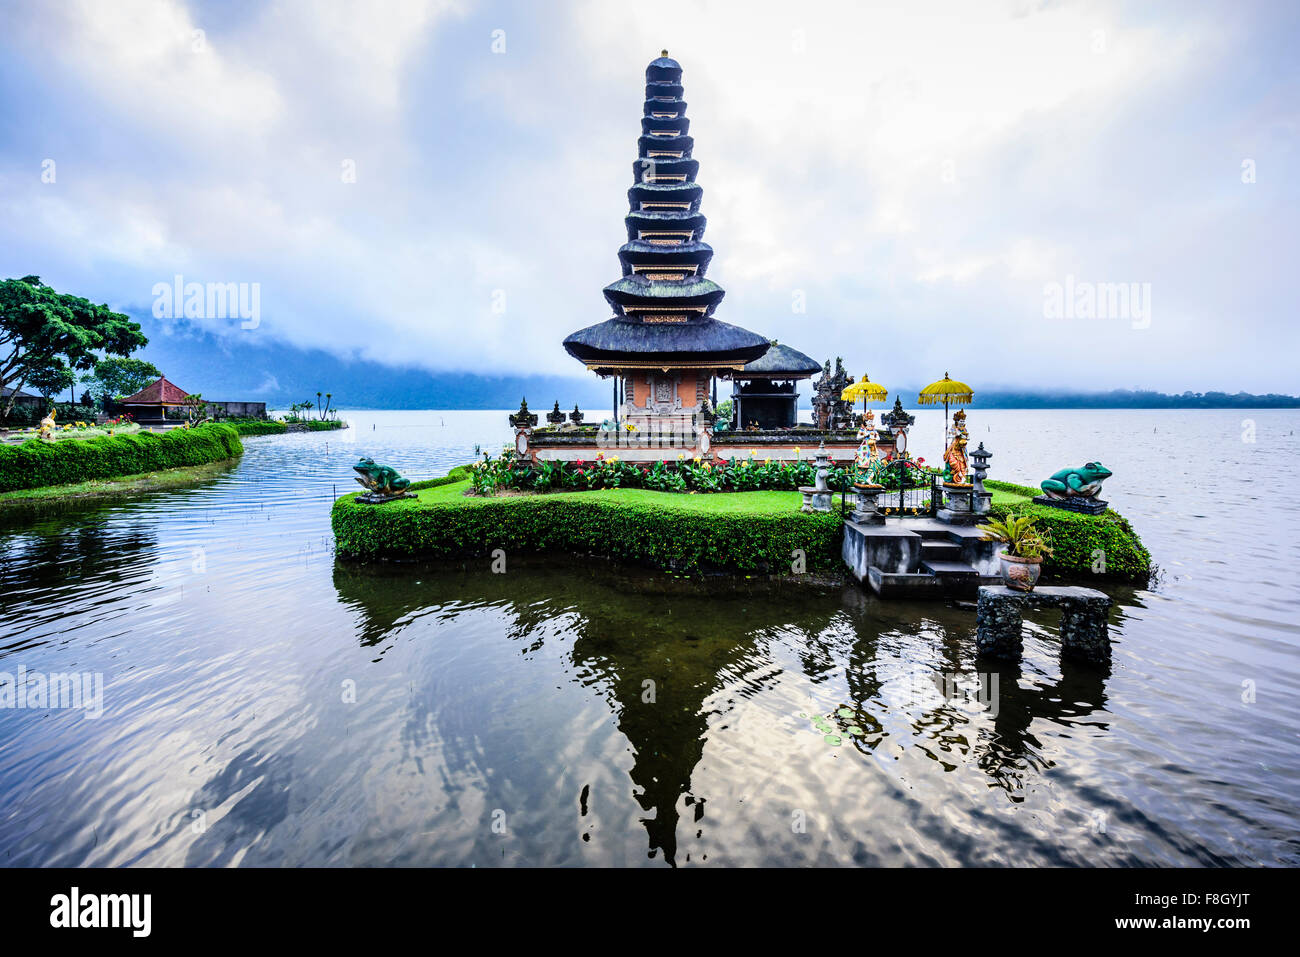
{"points": [[267, 704]]}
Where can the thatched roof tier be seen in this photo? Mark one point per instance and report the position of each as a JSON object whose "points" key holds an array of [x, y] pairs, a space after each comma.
{"points": [[683, 225], [780, 362], [659, 126], [661, 169], [663, 68], [663, 91], [670, 144], [674, 105], [637, 291], [621, 342], [687, 259], [664, 193], [638, 250]]}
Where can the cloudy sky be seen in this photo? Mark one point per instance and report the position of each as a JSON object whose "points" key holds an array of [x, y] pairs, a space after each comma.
{"points": [[440, 184]]}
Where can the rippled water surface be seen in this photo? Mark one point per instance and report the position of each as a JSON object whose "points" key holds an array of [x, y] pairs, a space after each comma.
{"points": [[267, 704]]}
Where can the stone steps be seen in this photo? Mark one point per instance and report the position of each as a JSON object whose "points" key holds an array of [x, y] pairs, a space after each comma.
{"points": [[919, 557], [939, 550], [949, 569]]}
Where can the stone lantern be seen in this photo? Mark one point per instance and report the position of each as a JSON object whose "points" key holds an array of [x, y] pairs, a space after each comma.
{"points": [[817, 497], [980, 468]]}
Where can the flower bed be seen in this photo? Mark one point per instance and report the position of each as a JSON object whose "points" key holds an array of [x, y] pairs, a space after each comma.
{"points": [[667, 475]]}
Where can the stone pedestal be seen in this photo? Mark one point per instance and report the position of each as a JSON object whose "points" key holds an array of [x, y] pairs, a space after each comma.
{"points": [[815, 499], [1074, 503], [379, 498], [1085, 634], [963, 504], [867, 511]]}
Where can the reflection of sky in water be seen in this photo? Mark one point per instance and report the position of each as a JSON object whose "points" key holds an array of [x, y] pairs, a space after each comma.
{"points": [[608, 717]]}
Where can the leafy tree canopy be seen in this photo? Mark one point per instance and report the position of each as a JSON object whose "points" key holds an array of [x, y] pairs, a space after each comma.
{"points": [[48, 336], [115, 376]]}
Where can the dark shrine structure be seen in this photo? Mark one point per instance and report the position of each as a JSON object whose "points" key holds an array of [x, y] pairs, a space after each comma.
{"points": [[765, 392]]}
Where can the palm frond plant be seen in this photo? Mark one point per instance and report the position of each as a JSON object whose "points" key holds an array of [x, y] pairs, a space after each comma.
{"points": [[1027, 546]]}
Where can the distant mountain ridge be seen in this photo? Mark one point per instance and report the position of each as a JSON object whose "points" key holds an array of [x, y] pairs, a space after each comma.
{"points": [[231, 369]]}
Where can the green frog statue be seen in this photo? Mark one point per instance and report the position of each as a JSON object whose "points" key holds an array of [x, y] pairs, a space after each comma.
{"points": [[1075, 489], [382, 482]]}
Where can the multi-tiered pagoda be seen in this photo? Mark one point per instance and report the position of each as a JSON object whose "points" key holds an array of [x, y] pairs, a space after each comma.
{"points": [[663, 346]]}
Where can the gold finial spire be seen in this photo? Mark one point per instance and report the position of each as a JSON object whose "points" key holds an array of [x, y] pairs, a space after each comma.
{"points": [[663, 52]]}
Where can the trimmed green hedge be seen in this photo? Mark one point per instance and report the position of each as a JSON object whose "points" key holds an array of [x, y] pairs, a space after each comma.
{"points": [[1075, 538], [260, 427], [745, 531], [36, 464], [627, 526], [276, 427]]}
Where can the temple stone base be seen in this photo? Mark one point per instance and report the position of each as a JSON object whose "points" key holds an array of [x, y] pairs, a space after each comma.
{"points": [[1084, 621], [1077, 503]]}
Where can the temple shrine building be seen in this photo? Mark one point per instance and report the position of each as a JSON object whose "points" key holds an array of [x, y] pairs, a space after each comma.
{"points": [[663, 349]]}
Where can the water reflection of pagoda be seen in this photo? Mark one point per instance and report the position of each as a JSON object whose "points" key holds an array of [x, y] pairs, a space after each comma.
{"points": [[663, 346]]}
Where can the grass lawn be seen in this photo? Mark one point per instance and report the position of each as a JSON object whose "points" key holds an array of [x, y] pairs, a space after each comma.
{"points": [[751, 503], [114, 487], [732, 503]]}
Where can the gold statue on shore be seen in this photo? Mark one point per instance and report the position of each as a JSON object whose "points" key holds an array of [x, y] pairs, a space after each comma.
{"points": [[955, 454], [47, 427]]}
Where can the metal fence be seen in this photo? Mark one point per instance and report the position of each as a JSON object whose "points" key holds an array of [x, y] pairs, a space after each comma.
{"points": [[910, 490]]}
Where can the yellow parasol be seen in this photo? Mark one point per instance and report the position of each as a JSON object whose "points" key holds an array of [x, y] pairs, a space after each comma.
{"points": [[948, 391], [866, 390]]}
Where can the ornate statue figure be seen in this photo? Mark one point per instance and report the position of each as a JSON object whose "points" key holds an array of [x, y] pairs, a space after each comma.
{"points": [[955, 454], [829, 410], [868, 437]]}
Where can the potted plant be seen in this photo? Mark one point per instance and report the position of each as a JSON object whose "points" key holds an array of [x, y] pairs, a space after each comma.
{"points": [[1026, 546]]}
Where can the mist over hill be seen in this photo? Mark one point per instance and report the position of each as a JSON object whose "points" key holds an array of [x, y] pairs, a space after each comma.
{"points": [[281, 375]]}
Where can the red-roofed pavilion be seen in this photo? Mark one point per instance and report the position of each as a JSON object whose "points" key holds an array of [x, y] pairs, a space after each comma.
{"points": [[149, 406]]}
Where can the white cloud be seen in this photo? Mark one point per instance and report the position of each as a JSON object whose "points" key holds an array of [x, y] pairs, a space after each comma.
{"points": [[917, 171]]}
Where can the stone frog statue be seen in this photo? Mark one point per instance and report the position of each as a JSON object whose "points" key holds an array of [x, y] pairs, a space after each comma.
{"points": [[1082, 482], [380, 479]]}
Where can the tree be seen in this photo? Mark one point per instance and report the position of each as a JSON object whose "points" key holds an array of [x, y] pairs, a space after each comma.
{"points": [[46, 335], [52, 379], [116, 376]]}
